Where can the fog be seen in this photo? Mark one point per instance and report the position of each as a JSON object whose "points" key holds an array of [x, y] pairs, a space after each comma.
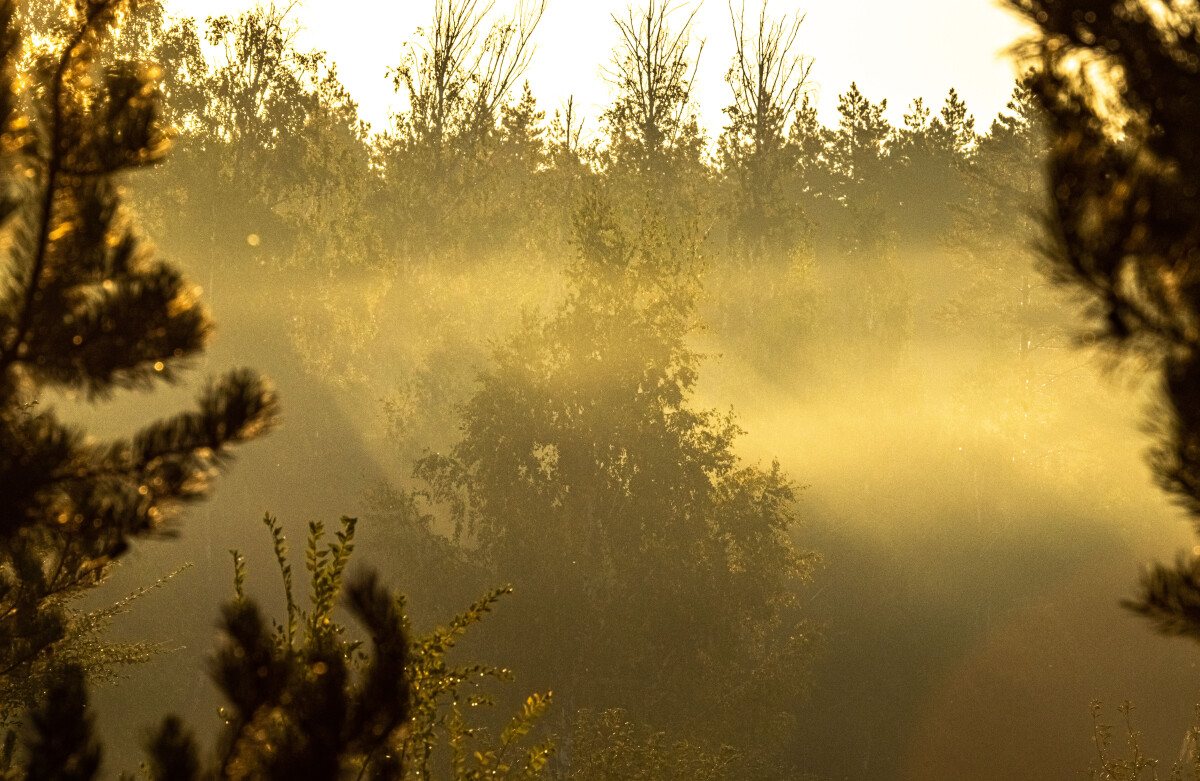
{"points": [[519, 358], [969, 602]]}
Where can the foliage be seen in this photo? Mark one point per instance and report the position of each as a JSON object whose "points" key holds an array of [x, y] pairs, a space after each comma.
{"points": [[277, 143], [462, 140], [86, 310], [860, 180], [1132, 764], [458, 80], [652, 158], [1005, 297], [607, 746], [82, 647], [1117, 84], [61, 745], [438, 695], [768, 79], [1020, 320], [647, 556], [652, 72], [930, 153], [857, 150], [304, 702]]}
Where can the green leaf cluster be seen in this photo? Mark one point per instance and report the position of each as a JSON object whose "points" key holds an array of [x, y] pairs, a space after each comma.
{"points": [[645, 555]]}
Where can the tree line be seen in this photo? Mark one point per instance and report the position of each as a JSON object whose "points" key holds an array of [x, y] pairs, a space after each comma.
{"points": [[269, 143], [584, 469]]}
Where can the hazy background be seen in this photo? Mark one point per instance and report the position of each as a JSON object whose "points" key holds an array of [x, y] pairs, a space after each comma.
{"points": [[975, 536]]}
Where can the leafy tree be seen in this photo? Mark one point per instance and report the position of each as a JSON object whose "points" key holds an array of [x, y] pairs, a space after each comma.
{"points": [[769, 79], [283, 140], [1117, 82], [458, 79], [654, 140], [570, 173], [326, 709], [652, 71], [450, 156], [646, 557], [256, 127], [86, 310], [326, 190]]}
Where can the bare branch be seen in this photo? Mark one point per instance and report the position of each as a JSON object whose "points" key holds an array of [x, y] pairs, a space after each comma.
{"points": [[506, 55], [458, 73], [653, 72], [768, 77]]}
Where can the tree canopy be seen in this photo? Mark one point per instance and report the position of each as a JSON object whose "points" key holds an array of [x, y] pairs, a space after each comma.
{"points": [[1117, 83], [643, 553]]}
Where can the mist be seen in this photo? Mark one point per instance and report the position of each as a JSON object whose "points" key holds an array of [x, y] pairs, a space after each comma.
{"points": [[782, 447]]}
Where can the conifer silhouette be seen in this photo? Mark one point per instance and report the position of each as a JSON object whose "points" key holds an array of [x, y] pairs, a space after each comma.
{"points": [[85, 310], [1118, 84]]}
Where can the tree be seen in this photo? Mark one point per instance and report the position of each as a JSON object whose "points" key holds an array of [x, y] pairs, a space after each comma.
{"points": [[325, 191], [929, 154], [304, 702], [645, 557], [86, 310], [277, 151], [654, 141], [1004, 302], [456, 82], [438, 153], [857, 154], [812, 183], [570, 172], [1117, 82], [768, 78], [307, 702]]}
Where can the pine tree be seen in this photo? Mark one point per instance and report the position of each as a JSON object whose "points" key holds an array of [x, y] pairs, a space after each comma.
{"points": [[85, 310], [1118, 82], [929, 154], [857, 150]]}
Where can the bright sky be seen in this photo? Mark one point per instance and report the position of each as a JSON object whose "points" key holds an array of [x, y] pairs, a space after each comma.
{"points": [[893, 50]]}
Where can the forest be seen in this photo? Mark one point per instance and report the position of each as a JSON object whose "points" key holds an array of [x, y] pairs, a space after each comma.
{"points": [[617, 446]]}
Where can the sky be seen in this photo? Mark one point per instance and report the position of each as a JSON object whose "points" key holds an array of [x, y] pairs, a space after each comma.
{"points": [[893, 50]]}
